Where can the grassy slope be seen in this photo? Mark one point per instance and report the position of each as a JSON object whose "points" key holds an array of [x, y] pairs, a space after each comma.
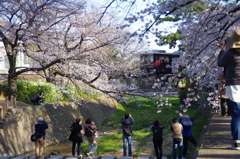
{"points": [[144, 111]]}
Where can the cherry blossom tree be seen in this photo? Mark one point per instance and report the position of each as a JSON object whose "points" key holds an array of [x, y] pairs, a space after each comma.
{"points": [[202, 26], [61, 37]]}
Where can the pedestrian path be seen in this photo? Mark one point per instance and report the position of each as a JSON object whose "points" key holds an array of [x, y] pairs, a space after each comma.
{"points": [[218, 141]]}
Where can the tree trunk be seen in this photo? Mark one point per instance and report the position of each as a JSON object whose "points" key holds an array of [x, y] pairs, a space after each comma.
{"points": [[12, 79], [12, 88]]}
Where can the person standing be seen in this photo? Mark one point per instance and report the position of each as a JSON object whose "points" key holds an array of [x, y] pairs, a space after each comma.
{"points": [[40, 128], [176, 129], [187, 124], [222, 97], [157, 130], [90, 133], [127, 121], [230, 60], [76, 136]]}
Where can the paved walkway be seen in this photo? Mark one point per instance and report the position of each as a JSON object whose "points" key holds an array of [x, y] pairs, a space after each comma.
{"points": [[217, 141]]}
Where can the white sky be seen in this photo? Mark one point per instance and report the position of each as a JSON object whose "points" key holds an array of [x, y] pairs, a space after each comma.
{"points": [[139, 5]]}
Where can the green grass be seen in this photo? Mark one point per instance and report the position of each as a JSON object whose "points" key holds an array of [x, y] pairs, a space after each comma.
{"points": [[144, 111], [107, 143]]}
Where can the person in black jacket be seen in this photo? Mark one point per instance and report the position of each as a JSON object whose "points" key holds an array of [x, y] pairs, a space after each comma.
{"points": [[127, 122], [90, 133], [230, 60], [76, 136], [37, 99], [40, 128], [157, 130]]}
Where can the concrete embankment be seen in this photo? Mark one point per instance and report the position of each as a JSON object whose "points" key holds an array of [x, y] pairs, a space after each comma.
{"points": [[19, 124]]}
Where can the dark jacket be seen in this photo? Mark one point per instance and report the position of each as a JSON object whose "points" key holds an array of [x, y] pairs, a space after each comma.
{"points": [[40, 128], [37, 98], [187, 129], [231, 62], [76, 135], [157, 132], [90, 130], [127, 126]]}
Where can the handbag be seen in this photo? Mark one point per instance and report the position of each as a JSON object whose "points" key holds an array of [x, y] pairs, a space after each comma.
{"points": [[177, 140], [33, 137]]}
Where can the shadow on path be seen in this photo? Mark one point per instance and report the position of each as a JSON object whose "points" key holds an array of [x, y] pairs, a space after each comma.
{"points": [[218, 141]]}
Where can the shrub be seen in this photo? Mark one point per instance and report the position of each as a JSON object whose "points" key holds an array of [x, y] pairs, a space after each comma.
{"points": [[51, 92]]}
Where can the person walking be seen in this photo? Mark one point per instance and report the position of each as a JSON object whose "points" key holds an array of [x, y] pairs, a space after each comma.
{"points": [[40, 128], [230, 60], [157, 130], [176, 129], [90, 133], [187, 124], [222, 97], [76, 136], [127, 121], [221, 93]]}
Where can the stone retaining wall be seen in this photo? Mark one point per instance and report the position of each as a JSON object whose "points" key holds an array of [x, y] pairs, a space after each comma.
{"points": [[19, 125]]}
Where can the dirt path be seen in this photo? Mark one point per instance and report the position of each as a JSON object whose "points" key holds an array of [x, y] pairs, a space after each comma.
{"points": [[120, 152], [148, 147]]}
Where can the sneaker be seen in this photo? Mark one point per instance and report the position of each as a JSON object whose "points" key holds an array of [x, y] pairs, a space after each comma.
{"points": [[236, 146], [90, 155]]}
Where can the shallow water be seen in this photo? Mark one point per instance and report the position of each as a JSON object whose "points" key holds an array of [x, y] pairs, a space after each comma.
{"points": [[65, 148]]}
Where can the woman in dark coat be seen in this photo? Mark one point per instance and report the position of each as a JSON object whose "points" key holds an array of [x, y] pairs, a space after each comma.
{"points": [[157, 130], [76, 136]]}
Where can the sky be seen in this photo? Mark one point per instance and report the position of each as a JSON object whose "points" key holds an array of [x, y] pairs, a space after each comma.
{"points": [[139, 5]]}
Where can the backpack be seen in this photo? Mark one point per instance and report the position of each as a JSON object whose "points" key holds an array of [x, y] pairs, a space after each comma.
{"points": [[127, 131], [33, 137]]}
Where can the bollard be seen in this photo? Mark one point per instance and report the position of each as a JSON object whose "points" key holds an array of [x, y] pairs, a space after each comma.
{"points": [[74, 157], [143, 157], [21, 157], [95, 157], [58, 157], [125, 157], [109, 157], [6, 157]]}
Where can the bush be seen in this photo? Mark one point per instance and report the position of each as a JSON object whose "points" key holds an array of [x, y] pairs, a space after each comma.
{"points": [[51, 92]]}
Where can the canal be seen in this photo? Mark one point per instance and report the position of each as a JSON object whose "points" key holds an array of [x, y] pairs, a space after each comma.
{"points": [[65, 148]]}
